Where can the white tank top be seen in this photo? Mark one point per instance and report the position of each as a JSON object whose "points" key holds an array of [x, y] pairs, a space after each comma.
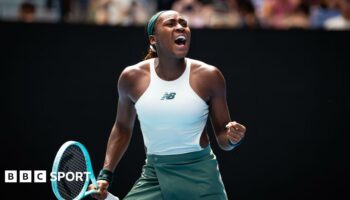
{"points": [[172, 116]]}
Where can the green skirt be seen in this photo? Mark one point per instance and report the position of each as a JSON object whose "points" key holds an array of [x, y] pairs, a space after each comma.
{"points": [[189, 176]]}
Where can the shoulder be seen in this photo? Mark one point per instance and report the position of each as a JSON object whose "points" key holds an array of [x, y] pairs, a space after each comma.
{"points": [[206, 72], [131, 74], [134, 71]]}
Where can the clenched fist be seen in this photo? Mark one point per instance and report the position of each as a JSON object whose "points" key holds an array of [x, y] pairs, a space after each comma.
{"points": [[235, 132]]}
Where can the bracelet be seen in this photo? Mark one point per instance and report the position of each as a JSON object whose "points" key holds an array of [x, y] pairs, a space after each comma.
{"points": [[106, 175]]}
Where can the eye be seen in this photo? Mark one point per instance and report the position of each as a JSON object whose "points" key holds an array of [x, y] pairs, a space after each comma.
{"points": [[170, 23], [183, 23]]}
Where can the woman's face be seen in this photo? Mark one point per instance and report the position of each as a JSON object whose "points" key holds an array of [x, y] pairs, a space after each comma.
{"points": [[172, 36]]}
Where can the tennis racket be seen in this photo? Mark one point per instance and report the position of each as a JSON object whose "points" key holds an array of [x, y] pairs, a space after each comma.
{"points": [[73, 171]]}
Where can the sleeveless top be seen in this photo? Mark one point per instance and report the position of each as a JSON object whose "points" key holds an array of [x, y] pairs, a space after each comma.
{"points": [[171, 114]]}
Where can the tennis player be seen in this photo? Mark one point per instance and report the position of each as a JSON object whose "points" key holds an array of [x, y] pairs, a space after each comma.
{"points": [[172, 96]]}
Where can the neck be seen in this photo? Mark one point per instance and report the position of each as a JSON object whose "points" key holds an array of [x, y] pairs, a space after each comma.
{"points": [[170, 69]]}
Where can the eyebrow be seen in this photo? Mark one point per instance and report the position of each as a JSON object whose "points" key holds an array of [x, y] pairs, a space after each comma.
{"points": [[173, 19]]}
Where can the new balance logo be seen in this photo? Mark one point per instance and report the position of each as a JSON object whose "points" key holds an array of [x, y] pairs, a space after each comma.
{"points": [[168, 96]]}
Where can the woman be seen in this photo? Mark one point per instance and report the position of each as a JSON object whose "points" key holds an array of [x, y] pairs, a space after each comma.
{"points": [[172, 96]]}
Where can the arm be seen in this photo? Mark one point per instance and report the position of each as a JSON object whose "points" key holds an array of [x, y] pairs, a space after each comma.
{"points": [[228, 134], [121, 133]]}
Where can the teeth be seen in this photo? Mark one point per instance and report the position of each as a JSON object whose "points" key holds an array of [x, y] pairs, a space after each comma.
{"points": [[181, 37]]}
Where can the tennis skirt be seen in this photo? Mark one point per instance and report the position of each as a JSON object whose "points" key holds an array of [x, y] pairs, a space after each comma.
{"points": [[188, 176]]}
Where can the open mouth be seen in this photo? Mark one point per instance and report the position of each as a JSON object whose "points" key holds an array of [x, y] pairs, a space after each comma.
{"points": [[180, 40]]}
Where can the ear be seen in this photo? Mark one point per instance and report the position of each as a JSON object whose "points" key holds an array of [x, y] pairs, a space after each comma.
{"points": [[152, 39]]}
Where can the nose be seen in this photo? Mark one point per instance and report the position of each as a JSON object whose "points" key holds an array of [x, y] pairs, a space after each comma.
{"points": [[179, 28]]}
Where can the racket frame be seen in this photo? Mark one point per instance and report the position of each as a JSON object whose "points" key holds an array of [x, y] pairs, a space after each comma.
{"points": [[89, 176]]}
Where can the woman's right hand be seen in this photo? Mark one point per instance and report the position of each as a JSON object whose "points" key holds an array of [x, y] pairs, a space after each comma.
{"points": [[102, 191]]}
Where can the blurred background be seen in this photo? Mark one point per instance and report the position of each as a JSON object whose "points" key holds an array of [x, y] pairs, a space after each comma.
{"points": [[234, 14], [286, 65]]}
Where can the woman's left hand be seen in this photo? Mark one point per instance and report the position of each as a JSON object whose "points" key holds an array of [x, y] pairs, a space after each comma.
{"points": [[235, 132]]}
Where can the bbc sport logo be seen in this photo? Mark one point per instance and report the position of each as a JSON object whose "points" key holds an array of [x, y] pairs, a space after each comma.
{"points": [[25, 176], [40, 176]]}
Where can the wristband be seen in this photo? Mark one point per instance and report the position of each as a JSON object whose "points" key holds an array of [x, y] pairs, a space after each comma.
{"points": [[106, 175]]}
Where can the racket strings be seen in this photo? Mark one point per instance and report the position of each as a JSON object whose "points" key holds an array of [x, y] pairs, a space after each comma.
{"points": [[72, 163]]}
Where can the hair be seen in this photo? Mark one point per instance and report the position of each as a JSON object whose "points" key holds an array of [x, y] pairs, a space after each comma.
{"points": [[150, 54], [27, 7], [149, 31]]}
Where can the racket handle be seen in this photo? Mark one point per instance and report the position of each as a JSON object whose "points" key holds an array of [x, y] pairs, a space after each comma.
{"points": [[111, 197]]}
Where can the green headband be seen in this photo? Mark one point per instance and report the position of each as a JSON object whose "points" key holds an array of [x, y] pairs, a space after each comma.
{"points": [[152, 22]]}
